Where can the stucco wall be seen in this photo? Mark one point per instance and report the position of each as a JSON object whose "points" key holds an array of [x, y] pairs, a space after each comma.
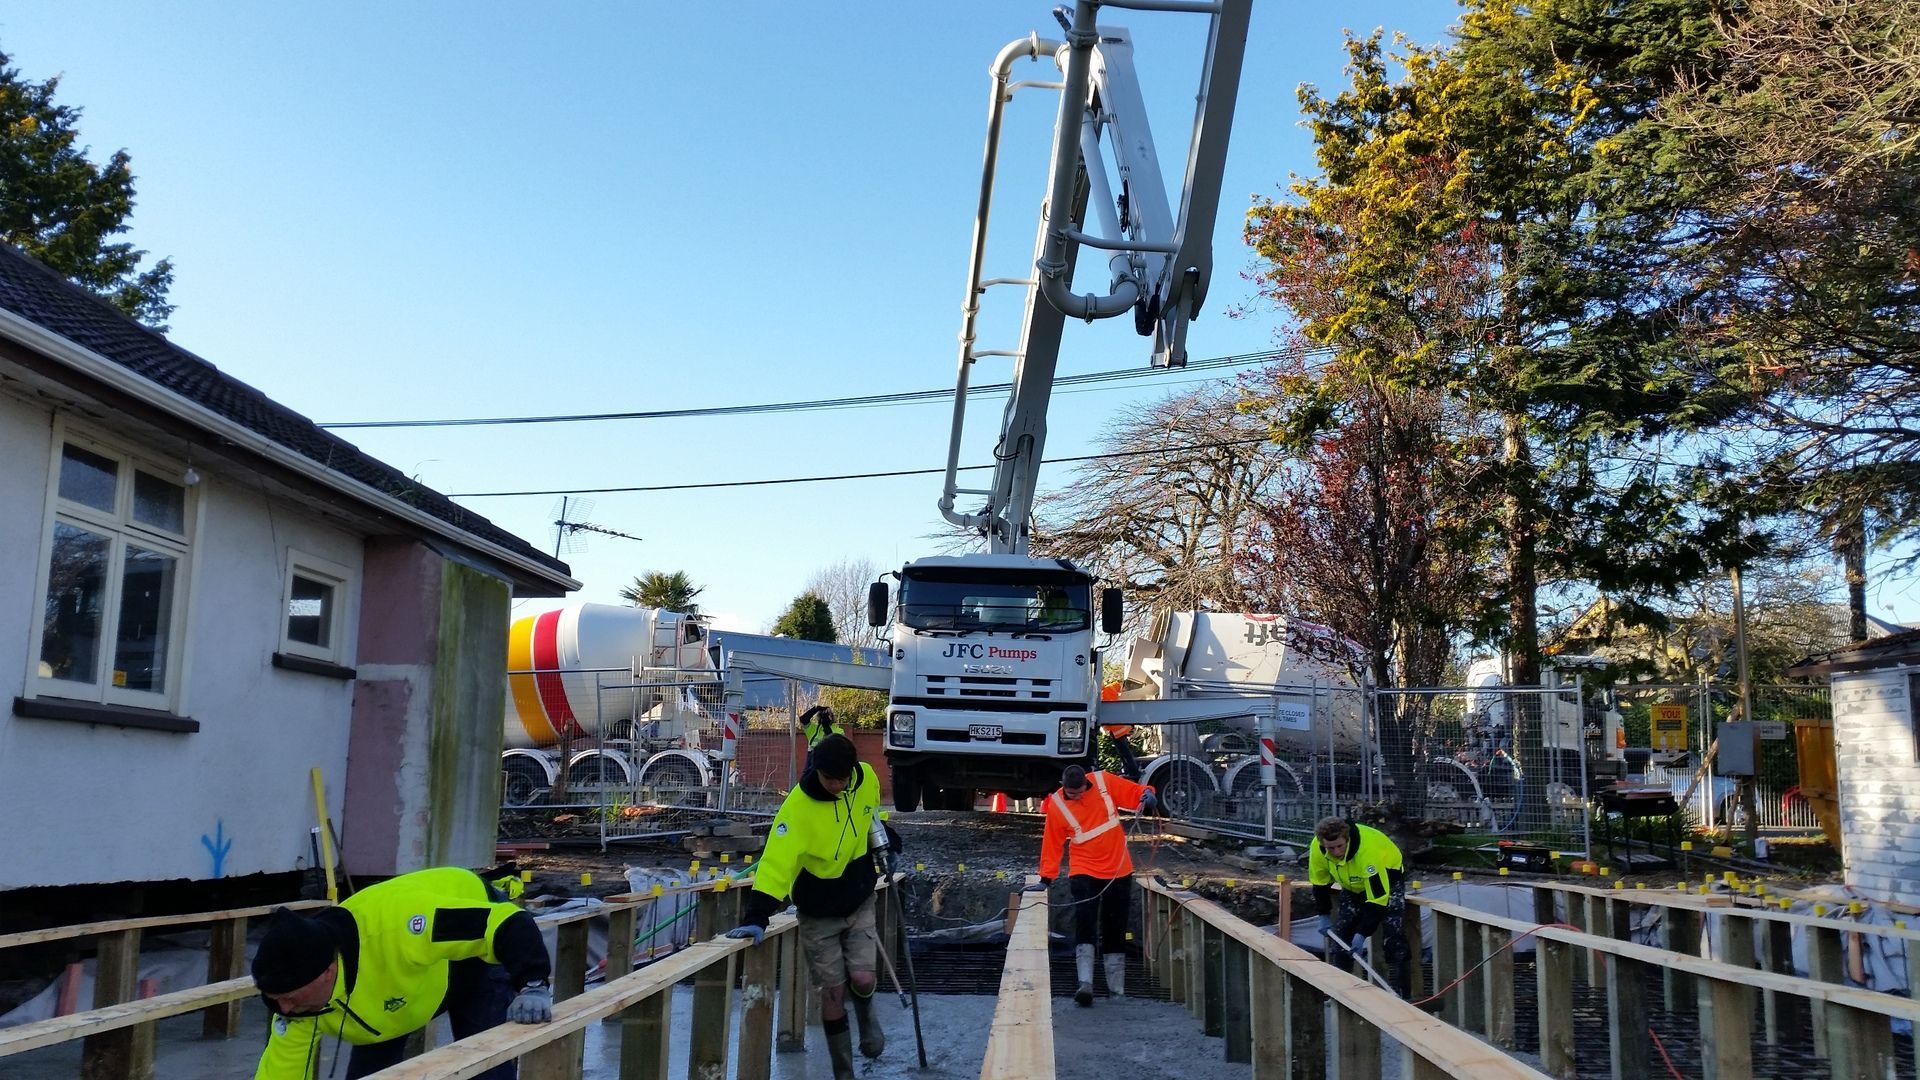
{"points": [[1879, 782], [97, 803]]}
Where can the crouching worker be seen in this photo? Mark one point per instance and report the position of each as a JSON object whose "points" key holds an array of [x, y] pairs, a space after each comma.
{"points": [[821, 853], [389, 959], [1086, 811], [1366, 864]]}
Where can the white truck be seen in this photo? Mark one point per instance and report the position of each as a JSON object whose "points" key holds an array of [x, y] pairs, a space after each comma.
{"points": [[995, 675], [601, 694]]}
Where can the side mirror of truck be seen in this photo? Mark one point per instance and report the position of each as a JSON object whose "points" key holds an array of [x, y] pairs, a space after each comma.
{"points": [[1110, 611], [877, 604]]}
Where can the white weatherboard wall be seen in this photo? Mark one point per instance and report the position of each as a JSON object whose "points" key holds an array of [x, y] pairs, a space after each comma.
{"points": [[93, 803], [1873, 734]]}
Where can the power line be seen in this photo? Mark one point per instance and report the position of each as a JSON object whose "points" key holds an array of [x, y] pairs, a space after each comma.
{"points": [[845, 476], [907, 397]]}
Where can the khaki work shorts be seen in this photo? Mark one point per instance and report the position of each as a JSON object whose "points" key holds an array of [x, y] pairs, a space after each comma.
{"points": [[836, 947]]}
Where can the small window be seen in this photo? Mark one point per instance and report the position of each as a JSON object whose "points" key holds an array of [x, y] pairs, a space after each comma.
{"points": [[316, 602]]}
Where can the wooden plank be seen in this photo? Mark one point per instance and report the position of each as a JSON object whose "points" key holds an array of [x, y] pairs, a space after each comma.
{"points": [[1149, 934], [1862, 1044], [125, 1053], [1236, 1001], [148, 922], [1176, 949], [1356, 1046], [1545, 911], [1600, 924], [1196, 969], [1887, 1005], [646, 1031], [226, 959], [1499, 986], [1719, 903], [1020, 1042], [1825, 963], [1214, 972], [60, 1029], [1305, 1041], [570, 961], [758, 979], [1416, 955], [1780, 1012], [712, 1025], [1452, 1050], [1627, 1026], [1553, 971], [1268, 1018], [622, 928], [1726, 1030], [790, 1007], [471, 1056], [1446, 965]]}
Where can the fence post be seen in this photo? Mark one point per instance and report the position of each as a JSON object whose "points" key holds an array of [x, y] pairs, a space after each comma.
{"points": [[1826, 963], [1554, 971], [1268, 1019], [712, 992], [126, 1054], [1726, 1030], [644, 1028], [1473, 999], [756, 1012], [1237, 1001], [1416, 953], [1682, 927], [1357, 1046], [623, 923], [1627, 1019], [1499, 983], [791, 1004], [1780, 1011], [1306, 1028], [226, 959], [1175, 949], [1446, 965], [1214, 961], [1196, 980], [1862, 1044]]}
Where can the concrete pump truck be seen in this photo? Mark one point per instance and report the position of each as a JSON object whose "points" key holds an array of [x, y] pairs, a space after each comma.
{"points": [[995, 671]]}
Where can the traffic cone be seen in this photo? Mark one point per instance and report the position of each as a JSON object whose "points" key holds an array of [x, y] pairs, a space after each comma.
{"points": [[999, 802]]}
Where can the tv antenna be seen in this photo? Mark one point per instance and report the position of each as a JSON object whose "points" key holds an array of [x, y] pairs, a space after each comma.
{"points": [[568, 526]]}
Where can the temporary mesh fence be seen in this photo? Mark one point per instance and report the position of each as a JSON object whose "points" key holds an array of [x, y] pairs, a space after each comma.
{"points": [[1715, 800], [629, 754]]}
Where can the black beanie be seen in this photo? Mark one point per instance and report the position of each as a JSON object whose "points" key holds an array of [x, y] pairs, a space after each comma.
{"points": [[293, 953], [835, 757]]}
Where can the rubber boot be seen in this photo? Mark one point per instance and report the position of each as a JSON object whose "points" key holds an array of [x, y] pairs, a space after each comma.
{"points": [[840, 1048], [872, 1040], [1083, 966], [1116, 964]]}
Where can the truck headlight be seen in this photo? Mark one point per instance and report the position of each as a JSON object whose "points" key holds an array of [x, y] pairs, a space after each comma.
{"points": [[1073, 736], [900, 729]]}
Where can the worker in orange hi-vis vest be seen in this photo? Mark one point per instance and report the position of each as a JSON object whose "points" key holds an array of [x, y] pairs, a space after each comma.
{"points": [[1086, 811]]}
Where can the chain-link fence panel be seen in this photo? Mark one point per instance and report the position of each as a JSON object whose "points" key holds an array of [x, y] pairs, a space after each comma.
{"points": [[1715, 800], [636, 754], [1505, 760]]}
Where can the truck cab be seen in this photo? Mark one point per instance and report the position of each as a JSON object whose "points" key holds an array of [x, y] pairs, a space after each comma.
{"points": [[995, 675]]}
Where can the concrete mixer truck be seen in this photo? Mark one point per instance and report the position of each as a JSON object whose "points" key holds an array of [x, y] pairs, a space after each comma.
{"points": [[601, 694]]}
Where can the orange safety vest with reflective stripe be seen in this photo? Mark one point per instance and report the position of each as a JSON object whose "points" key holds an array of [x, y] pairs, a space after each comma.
{"points": [[1092, 822]]}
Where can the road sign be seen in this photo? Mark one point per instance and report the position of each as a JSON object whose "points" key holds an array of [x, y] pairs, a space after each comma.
{"points": [[1669, 727]]}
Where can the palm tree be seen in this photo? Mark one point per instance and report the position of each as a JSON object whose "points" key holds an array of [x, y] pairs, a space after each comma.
{"points": [[675, 592]]}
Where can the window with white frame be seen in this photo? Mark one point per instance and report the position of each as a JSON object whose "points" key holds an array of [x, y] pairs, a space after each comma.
{"points": [[115, 580], [316, 609]]}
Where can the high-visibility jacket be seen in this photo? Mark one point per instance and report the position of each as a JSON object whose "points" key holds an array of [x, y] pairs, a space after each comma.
{"points": [[397, 938], [817, 850], [1092, 823], [1372, 863]]}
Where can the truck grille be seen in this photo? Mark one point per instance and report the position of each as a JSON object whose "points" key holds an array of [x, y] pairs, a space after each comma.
{"points": [[989, 686]]}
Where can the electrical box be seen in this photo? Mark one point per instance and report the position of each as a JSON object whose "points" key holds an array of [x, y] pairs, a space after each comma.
{"points": [[1738, 743]]}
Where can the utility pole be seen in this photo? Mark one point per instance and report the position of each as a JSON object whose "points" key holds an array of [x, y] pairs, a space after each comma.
{"points": [[1748, 803]]}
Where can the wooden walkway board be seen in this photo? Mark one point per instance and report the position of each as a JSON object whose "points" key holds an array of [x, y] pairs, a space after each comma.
{"points": [[1020, 1044], [59, 1029]]}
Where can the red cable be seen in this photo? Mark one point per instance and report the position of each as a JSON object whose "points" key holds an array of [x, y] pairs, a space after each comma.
{"points": [[1517, 939], [1660, 1046]]}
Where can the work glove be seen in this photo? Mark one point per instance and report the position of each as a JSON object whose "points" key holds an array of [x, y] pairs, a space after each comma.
{"points": [[533, 1005], [1149, 802], [1359, 942], [1324, 924], [1042, 885], [747, 931]]}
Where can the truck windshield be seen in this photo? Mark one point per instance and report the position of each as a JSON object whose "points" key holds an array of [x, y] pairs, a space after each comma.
{"points": [[1052, 605]]}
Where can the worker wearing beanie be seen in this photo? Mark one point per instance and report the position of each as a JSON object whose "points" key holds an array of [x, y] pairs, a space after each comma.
{"points": [[389, 959], [1367, 866], [820, 852], [1086, 810]]}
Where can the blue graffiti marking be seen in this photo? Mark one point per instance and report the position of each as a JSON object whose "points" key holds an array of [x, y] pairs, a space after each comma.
{"points": [[217, 846]]}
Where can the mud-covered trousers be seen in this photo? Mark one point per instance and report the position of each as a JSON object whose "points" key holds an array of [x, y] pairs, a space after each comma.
{"points": [[1353, 920]]}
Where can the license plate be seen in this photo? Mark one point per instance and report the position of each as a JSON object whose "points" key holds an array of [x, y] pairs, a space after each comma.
{"points": [[985, 731]]}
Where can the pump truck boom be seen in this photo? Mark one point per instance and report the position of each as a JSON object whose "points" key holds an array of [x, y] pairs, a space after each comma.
{"points": [[995, 673]]}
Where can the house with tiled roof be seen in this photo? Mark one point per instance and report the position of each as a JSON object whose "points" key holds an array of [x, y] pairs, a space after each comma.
{"points": [[204, 597]]}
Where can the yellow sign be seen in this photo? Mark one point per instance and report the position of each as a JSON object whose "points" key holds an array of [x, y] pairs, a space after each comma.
{"points": [[1669, 727]]}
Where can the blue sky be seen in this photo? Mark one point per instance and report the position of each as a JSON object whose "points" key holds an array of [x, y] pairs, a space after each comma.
{"points": [[441, 210]]}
